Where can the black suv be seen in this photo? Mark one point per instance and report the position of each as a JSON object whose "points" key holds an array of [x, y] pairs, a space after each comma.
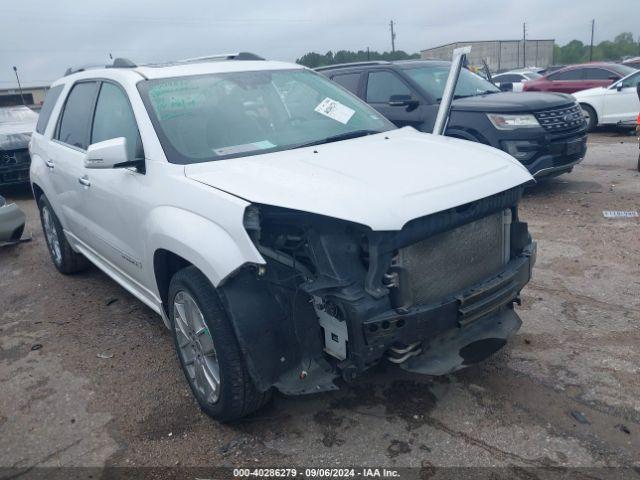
{"points": [[546, 132]]}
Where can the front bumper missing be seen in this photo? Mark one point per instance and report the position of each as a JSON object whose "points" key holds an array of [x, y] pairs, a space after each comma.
{"points": [[464, 329], [459, 348]]}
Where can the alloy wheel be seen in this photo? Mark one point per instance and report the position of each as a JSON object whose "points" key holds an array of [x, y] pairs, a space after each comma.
{"points": [[51, 233], [196, 348]]}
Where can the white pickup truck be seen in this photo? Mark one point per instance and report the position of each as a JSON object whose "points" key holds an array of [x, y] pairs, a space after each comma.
{"points": [[287, 234]]}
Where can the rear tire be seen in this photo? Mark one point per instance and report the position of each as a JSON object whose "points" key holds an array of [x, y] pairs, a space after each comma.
{"points": [[64, 258], [590, 116], [207, 348]]}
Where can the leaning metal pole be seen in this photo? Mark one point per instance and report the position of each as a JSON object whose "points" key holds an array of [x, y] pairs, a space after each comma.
{"points": [[447, 96]]}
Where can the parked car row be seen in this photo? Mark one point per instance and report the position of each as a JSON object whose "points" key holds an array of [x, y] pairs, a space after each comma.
{"points": [[16, 125], [579, 77], [287, 228], [287, 233], [605, 91], [546, 132], [514, 80], [616, 104]]}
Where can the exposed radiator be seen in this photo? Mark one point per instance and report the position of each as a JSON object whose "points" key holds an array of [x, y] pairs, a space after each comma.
{"points": [[449, 262]]}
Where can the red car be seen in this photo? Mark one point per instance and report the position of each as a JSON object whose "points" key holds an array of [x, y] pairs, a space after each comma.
{"points": [[579, 77]]}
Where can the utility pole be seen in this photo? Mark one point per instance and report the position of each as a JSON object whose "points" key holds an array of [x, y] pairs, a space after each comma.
{"points": [[368, 56], [593, 24], [524, 45], [15, 69], [393, 37]]}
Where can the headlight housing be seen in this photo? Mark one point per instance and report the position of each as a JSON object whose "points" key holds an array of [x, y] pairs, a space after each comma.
{"points": [[503, 121]]}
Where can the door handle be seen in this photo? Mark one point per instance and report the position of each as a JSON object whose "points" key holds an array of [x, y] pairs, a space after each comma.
{"points": [[84, 181], [49, 163]]}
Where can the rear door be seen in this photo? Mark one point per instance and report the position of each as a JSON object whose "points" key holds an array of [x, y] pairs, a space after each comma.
{"points": [[622, 105], [567, 81], [598, 77], [381, 85], [350, 81], [66, 153]]}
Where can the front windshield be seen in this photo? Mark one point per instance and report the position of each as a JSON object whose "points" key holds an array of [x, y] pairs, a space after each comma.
{"points": [[224, 115], [432, 79]]}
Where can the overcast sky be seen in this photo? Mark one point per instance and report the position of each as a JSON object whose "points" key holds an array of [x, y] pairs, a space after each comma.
{"points": [[43, 37]]}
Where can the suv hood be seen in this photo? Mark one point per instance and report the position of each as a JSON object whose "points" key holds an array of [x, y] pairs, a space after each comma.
{"points": [[381, 181], [504, 102], [16, 125]]}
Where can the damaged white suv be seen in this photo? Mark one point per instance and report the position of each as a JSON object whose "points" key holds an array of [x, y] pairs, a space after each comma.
{"points": [[286, 232]]}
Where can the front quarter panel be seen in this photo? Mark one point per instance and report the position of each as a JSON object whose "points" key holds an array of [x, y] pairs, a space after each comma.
{"points": [[198, 240]]}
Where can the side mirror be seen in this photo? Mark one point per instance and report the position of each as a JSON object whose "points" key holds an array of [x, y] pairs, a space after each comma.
{"points": [[619, 86], [402, 101], [506, 86], [108, 154]]}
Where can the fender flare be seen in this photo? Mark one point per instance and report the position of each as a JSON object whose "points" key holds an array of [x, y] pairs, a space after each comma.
{"points": [[463, 134], [200, 241]]}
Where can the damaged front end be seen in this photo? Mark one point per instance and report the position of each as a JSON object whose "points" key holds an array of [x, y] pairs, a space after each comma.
{"points": [[334, 297]]}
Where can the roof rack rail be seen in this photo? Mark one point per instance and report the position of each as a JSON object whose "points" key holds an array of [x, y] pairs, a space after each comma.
{"points": [[82, 68], [117, 63], [223, 56], [353, 64], [122, 62]]}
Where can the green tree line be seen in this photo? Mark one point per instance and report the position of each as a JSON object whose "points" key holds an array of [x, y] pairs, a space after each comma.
{"points": [[623, 45], [313, 59], [577, 52]]}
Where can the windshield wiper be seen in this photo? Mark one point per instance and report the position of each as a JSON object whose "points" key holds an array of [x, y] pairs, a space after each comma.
{"points": [[456, 97], [338, 137]]}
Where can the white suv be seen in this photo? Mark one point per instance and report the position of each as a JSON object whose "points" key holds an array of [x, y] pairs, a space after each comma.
{"points": [[287, 234]]}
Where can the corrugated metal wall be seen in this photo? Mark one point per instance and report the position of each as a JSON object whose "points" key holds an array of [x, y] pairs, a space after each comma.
{"points": [[500, 55]]}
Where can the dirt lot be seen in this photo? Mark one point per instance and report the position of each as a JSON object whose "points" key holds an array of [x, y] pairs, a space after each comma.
{"points": [[564, 392]]}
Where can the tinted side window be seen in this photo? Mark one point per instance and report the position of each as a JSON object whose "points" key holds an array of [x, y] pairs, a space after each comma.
{"points": [[632, 81], [598, 74], [76, 117], [114, 118], [382, 85], [575, 74], [508, 78], [348, 80], [47, 107]]}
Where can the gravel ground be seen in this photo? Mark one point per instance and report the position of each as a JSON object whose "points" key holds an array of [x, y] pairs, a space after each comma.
{"points": [[565, 392]]}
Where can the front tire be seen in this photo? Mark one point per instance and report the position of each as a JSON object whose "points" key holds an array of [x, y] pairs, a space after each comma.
{"points": [[208, 350], [590, 116], [64, 258]]}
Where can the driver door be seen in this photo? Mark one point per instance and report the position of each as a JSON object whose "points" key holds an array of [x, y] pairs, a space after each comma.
{"points": [[622, 105], [381, 85]]}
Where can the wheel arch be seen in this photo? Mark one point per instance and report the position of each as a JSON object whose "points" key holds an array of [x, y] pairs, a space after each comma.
{"points": [[592, 107], [179, 238], [37, 191]]}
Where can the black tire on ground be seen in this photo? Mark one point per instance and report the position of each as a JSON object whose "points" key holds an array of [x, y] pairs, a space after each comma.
{"points": [[592, 117], [69, 260], [238, 395]]}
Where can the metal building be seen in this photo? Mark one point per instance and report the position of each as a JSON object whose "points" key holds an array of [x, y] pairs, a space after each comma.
{"points": [[500, 55], [33, 96]]}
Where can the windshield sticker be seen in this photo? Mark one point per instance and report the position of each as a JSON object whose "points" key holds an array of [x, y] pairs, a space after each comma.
{"points": [[335, 110], [247, 147]]}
